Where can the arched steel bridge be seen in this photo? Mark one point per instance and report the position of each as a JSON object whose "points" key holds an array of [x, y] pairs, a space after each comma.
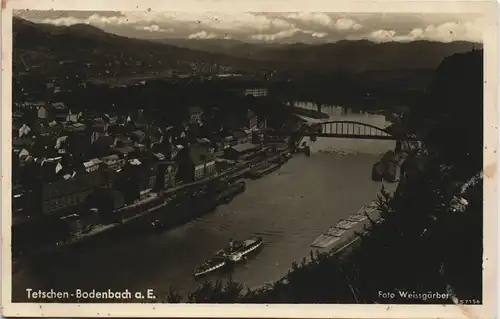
{"points": [[348, 129]]}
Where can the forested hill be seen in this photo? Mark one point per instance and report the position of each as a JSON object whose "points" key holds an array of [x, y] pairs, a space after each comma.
{"points": [[45, 46], [359, 55]]}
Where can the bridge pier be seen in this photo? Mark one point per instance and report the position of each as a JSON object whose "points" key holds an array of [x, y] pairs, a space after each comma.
{"points": [[398, 146]]}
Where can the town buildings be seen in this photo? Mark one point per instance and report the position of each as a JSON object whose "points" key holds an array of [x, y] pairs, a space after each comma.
{"points": [[241, 151], [67, 159], [256, 92], [195, 163], [63, 195]]}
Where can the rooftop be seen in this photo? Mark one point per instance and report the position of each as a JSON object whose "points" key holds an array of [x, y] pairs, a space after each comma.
{"points": [[59, 106], [239, 133], [241, 148], [110, 158], [159, 156], [92, 162], [124, 150]]}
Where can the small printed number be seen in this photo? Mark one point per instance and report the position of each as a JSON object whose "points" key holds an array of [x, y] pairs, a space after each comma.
{"points": [[469, 302]]}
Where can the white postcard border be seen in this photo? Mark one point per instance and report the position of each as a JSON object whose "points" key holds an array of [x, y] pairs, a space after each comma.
{"points": [[488, 9]]}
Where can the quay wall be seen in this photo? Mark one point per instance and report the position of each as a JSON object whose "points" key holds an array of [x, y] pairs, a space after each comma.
{"points": [[124, 227]]}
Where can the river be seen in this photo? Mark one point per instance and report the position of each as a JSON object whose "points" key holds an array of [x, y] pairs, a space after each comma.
{"points": [[289, 208]]}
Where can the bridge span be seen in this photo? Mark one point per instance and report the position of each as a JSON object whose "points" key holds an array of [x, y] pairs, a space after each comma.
{"points": [[348, 129]]}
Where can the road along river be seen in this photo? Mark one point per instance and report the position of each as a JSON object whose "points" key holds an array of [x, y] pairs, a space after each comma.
{"points": [[289, 208]]}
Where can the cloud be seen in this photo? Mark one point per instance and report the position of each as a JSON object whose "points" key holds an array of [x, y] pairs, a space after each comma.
{"points": [[202, 35], [311, 27], [325, 20], [153, 28], [94, 19], [319, 34], [347, 24], [233, 22], [445, 32], [382, 35], [275, 36], [287, 34], [66, 21], [450, 31], [309, 17]]}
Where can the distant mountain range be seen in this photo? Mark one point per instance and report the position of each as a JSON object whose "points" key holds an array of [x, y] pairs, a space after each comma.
{"points": [[41, 43], [360, 55], [226, 46]]}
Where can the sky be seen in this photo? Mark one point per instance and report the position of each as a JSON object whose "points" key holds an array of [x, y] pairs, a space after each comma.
{"points": [[305, 27]]}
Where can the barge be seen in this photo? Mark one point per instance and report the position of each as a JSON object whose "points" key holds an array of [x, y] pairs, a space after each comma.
{"points": [[180, 210], [78, 234], [233, 190], [329, 238], [378, 170], [335, 233], [258, 172]]}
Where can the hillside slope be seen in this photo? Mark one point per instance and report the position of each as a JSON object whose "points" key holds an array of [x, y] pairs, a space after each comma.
{"points": [[356, 56], [47, 47]]}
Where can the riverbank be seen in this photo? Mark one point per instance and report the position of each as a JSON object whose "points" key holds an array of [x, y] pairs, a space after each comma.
{"points": [[310, 113], [285, 212], [349, 241], [337, 255], [288, 208], [152, 207], [90, 234], [348, 238]]}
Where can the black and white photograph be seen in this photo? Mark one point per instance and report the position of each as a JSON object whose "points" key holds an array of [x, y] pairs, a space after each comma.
{"points": [[225, 157]]}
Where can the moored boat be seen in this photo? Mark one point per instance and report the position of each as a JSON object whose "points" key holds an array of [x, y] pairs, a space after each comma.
{"points": [[357, 218], [336, 232], [345, 224], [233, 190], [324, 241], [332, 236], [391, 173], [307, 150], [368, 209], [259, 172], [378, 171]]}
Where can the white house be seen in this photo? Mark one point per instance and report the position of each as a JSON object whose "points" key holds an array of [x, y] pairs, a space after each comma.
{"points": [[256, 92], [92, 165], [202, 170]]}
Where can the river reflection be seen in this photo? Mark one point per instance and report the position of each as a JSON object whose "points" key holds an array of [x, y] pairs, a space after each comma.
{"points": [[288, 208]]}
